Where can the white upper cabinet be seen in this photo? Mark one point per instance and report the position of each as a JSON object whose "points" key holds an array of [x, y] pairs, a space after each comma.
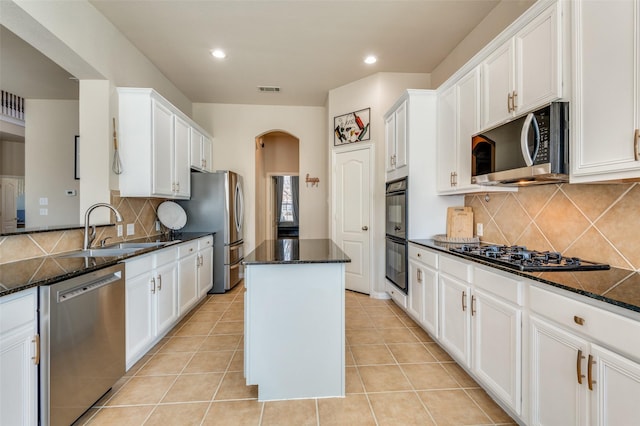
{"points": [[396, 139], [447, 141], [201, 149], [605, 112], [525, 72], [155, 149], [458, 121], [181, 172]]}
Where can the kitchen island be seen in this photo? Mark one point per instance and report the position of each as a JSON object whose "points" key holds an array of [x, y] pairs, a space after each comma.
{"points": [[294, 319]]}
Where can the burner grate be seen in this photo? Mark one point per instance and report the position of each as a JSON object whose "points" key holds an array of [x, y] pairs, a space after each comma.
{"points": [[519, 257]]}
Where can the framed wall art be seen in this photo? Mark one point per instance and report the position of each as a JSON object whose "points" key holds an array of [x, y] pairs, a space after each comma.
{"points": [[352, 127]]}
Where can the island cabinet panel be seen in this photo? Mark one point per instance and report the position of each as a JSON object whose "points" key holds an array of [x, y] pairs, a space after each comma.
{"points": [[294, 330]]}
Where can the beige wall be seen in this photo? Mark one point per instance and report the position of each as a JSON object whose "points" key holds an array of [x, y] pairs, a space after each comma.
{"points": [[593, 222], [493, 24], [235, 129], [11, 158], [377, 92], [51, 127]]}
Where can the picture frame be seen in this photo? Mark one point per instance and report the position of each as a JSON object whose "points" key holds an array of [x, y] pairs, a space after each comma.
{"points": [[352, 127], [76, 158]]}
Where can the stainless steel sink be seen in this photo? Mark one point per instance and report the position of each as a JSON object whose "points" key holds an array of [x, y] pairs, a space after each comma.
{"points": [[102, 252]]}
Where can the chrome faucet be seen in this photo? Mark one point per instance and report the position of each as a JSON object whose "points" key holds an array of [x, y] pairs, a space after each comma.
{"points": [[89, 237]]}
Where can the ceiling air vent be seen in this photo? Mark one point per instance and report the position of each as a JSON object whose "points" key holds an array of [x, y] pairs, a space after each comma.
{"points": [[269, 89]]}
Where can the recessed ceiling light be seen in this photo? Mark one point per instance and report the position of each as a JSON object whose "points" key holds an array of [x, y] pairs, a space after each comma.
{"points": [[217, 53], [370, 59]]}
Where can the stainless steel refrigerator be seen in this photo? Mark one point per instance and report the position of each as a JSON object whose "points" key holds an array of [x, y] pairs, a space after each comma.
{"points": [[217, 205]]}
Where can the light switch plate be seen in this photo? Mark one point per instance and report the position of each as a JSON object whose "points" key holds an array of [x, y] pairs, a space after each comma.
{"points": [[131, 228], [44, 212], [44, 201], [479, 229], [119, 230]]}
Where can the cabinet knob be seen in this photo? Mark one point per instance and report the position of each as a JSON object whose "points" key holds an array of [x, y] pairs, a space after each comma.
{"points": [[419, 254], [365, 228], [578, 320]]}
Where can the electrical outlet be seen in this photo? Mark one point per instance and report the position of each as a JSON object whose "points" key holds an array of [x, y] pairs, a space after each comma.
{"points": [[44, 212], [44, 201], [479, 229], [119, 230], [131, 228], [158, 225]]}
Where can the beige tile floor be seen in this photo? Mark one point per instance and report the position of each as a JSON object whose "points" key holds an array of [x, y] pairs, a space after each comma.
{"points": [[395, 375]]}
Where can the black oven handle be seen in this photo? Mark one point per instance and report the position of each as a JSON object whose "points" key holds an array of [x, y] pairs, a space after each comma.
{"points": [[524, 139]]}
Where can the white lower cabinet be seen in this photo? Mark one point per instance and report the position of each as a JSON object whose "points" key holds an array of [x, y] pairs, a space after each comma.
{"points": [[161, 287], [19, 357], [575, 379], [151, 300], [455, 321], [195, 270], [188, 273], [479, 319], [205, 265], [423, 288]]}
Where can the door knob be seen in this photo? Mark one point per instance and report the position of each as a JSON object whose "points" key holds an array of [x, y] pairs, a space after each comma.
{"points": [[365, 228]]}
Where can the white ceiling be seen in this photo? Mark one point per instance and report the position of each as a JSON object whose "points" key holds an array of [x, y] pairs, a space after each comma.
{"points": [[305, 47]]}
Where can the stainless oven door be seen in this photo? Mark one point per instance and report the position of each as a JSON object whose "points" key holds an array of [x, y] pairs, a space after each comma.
{"points": [[396, 212], [396, 262]]}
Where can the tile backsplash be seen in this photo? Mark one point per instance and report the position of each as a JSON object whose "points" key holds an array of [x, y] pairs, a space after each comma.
{"points": [[139, 211], [596, 222]]}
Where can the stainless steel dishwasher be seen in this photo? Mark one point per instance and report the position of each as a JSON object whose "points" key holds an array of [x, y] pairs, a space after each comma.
{"points": [[82, 328]]}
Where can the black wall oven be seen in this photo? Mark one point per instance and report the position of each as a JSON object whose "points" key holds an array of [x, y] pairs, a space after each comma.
{"points": [[396, 233]]}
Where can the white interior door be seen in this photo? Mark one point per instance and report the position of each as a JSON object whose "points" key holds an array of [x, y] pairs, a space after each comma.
{"points": [[352, 215]]}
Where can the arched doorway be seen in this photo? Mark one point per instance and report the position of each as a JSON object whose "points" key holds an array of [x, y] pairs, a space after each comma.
{"points": [[277, 170]]}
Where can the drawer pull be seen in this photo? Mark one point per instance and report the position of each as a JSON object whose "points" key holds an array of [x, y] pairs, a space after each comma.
{"points": [[590, 380], [579, 366], [578, 320], [464, 300]]}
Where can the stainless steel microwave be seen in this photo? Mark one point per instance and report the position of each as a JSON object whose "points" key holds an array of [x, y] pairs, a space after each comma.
{"points": [[530, 149]]}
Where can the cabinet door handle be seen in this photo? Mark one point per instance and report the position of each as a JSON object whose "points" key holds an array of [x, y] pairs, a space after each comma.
{"points": [[464, 300], [419, 275], [473, 305], [159, 282], [36, 354], [514, 101], [636, 145], [579, 359], [590, 380], [153, 285], [455, 178]]}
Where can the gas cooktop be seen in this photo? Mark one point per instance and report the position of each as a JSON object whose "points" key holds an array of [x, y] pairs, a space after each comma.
{"points": [[523, 259]]}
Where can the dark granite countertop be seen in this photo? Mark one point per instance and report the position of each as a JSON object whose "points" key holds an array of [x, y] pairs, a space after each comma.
{"points": [[45, 270], [619, 287], [294, 251]]}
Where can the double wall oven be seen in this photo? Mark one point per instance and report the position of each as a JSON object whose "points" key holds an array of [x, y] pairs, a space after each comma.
{"points": [[396, 233]]}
